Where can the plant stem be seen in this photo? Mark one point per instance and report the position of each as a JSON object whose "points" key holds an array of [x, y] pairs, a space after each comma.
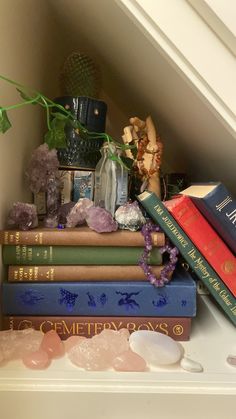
{"points": [[47, 110], [18, 105]]}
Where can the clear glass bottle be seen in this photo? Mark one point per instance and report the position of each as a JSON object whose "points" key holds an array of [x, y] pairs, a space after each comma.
{"points": [[111, 180]]}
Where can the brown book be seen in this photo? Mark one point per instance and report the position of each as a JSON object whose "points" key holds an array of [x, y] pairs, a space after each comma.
{"points": [[42, 273], [79, 236], [177, 328]]}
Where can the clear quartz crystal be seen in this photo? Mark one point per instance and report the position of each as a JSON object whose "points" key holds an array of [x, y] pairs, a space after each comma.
{"points": [[111, 180]]}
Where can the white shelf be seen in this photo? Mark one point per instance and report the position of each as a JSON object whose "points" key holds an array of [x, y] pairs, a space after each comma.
{"points": [[212, 340]]}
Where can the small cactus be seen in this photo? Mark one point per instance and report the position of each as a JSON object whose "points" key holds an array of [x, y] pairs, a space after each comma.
{"points": [[80, 76]]}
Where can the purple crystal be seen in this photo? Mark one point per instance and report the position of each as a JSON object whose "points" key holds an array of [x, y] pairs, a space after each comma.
{"points": [[23, 215], [78, 213], [100, 220], [53, 201], [64, 211], [43, 164]]}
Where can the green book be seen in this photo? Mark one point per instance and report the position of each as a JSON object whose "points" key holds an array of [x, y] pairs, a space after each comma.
{"points": [[76, 255], [159, 213]]}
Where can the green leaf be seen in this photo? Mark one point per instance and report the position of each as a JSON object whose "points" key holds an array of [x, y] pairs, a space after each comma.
{"points": [[4, 122], [55, 138], [58, 124], [60, 116], [26, 97]]}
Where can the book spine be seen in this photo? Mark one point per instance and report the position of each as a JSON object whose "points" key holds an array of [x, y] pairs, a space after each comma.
{"points": [[90, 298], [83, 185], [76, 255], [219, 207], [67, 273], [205, 238], [77, 237], [157, 210], [66, 181], [178, 328]]}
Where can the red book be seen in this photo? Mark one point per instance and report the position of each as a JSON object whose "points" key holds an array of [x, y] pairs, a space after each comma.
{"points": [[205, 238]]}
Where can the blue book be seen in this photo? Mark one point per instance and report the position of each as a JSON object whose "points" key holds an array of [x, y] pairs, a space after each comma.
{"points": [[218, 206], [177, 298]]}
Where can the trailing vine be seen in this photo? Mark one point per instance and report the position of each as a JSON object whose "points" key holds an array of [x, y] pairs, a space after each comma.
{"points": [[57, 119]]}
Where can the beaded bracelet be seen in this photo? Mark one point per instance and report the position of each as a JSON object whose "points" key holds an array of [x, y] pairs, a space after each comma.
{"points": [[169, 267]]}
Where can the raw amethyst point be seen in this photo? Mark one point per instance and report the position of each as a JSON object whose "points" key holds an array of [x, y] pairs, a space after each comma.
{"points": [[100, 220]]}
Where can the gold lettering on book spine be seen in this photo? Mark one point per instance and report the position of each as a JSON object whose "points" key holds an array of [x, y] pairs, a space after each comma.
{"points": [[90, 329]]}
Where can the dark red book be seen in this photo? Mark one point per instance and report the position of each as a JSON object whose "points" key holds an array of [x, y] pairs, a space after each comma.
{"points": [[177, 328]]}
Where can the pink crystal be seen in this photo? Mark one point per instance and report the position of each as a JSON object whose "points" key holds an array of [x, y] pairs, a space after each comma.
{"points": [[116, 341], [52, 344], [78, 213], [72, 341], [14, 344], [97, 353], [129, 361], [100, 220], [37, 360], [89, 355]]}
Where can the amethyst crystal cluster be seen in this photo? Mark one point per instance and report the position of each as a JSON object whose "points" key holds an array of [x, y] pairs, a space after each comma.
{"points": [[43, 166], [43, 176], [23, 216]]}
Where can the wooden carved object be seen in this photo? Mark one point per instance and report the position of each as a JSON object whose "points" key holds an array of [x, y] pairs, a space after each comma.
{"points": [[147, 161]]}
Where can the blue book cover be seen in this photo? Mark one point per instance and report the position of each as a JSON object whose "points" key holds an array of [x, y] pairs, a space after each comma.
{"points": [[177, 298], [218, 206]]}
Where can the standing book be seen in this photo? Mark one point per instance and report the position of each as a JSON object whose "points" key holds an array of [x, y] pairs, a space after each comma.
{"points": [[205, 238], [157, 210], [177, 298], [218, 206]]}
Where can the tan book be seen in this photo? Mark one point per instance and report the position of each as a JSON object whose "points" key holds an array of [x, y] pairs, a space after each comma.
{"points": [[24, 273], [79, 236]]}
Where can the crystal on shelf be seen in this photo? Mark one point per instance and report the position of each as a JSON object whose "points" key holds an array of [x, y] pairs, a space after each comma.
{"points": [[98, 352], [156, 348]]}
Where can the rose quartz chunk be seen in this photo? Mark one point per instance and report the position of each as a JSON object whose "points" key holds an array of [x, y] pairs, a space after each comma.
{"points": [[52, 344], [37, 360], [14, 344], [72, 341], [129, 361], [97, 353]]}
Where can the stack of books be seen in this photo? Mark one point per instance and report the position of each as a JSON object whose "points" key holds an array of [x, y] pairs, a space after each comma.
{"points": [[201, 223], [78, 281]]}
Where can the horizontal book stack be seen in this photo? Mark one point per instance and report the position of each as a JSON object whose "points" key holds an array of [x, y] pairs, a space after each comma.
{"points": [[201, 222], [78, 281]]}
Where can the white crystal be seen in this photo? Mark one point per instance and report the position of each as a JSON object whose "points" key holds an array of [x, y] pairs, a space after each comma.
{"points": [[156, 348], [190, 365]]}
